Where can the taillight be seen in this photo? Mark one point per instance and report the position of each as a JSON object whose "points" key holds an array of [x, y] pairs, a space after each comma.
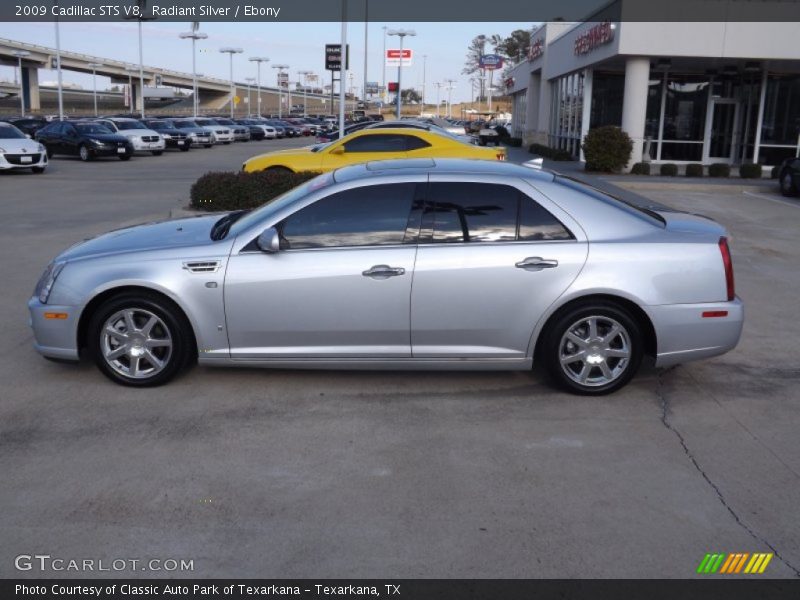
{"points": [[501, 156], [728, 264]]}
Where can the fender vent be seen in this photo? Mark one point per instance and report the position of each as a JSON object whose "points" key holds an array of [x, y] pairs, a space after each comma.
{"points": [[202, 266]]}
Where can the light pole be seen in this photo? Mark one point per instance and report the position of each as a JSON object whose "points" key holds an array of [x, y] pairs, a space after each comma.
{"points": [[424, 65], [259, 60], [450, 88], [20, 54], [194, 35], [401, 33], [58, 69], [231, 52], [366, 45], [491, 90], [305, 75], [280, 89], [130, 71], [140, 16], [250, 81], [94, 67], [383, 64]]}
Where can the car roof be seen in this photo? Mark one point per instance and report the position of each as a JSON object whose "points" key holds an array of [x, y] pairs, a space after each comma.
{"points": [[441, 166]]}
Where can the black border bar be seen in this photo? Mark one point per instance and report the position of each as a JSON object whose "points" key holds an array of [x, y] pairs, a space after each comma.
{"points": [[404, 11]]}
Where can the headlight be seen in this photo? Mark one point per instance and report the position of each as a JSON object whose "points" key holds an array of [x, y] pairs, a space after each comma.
{"points": [[166, 136], [135, 138], [47, 280], [42, 149], [97, 142]]}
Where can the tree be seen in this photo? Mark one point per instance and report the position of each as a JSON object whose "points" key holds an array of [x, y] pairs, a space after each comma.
{"points": [[411, 96], [475, 50], [515, 46]]}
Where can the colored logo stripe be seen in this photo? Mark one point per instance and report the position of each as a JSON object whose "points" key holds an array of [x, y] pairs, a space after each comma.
{"points": [[734, 563]]}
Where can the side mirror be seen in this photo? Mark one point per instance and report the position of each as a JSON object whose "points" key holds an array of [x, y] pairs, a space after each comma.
{"points": [[269, 241], [338, 150]]}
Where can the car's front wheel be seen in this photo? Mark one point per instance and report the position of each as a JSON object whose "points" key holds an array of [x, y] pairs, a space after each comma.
{"points": [[787, 185], [593, 348], [139, 340], [84, 153], [37, 170], [156, 152]]}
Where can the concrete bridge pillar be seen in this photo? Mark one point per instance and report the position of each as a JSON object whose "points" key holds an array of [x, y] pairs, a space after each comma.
{"points": [[30, 88]]}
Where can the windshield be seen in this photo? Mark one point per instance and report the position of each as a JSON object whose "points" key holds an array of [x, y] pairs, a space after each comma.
{"points": [[185, 124], [92, 128], [129, 125], [205, 122], [319, 147], [10, 133], [160, 125], [280, 203], [225, 122]]}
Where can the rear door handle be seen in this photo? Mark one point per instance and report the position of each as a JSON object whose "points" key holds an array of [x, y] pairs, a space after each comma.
{"points": [[536, 263], [383, 272]]}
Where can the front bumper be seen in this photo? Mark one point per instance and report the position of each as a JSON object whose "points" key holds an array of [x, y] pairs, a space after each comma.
{"points": [[684, 334], [15, 161], [140, 146], [54, 337], [111, 150]]}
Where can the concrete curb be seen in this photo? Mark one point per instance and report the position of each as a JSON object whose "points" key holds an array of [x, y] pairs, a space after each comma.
{"points": [[688, 187]]}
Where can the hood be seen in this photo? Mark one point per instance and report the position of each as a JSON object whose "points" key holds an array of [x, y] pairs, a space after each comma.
{"points": [[16, 145], [107, 137], [193, 129], [137, 132], [191, 231]]}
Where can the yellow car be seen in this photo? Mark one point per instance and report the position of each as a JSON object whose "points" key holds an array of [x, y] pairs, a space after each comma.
{"points": [[371, 144]]}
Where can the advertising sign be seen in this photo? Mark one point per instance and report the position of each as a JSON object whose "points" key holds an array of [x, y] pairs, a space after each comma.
{"points": [[593, 38], [393, 58], [392, 86], [283, 80], [333, 57], [491, 62], [372, 87]]}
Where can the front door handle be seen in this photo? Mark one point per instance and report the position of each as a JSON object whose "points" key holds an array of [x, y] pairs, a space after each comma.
{"points": [[383, 272], [536, 263]]}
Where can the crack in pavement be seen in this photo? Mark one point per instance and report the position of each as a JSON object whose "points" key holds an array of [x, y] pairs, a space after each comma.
{"points": [[662, 396]]}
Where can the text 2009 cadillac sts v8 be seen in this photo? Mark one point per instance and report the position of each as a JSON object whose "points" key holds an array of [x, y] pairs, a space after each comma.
{"points": [[446, 264]]}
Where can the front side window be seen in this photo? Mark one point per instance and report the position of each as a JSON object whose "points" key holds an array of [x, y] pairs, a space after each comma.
{"points": [[367, 216], [486, 212], [377, 143]]}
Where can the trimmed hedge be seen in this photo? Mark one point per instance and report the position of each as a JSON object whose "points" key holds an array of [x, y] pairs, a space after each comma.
{"points": [[669, 169], [640, 168], [719, 170], [607, 149], [750, 171], [694, 170], [515, 142], [224, 190], [548, 152]]}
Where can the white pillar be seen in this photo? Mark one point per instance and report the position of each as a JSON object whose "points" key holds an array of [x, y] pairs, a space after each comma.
{"points": [[586, 114], [542, 133], [634, 104], [532, 107]]}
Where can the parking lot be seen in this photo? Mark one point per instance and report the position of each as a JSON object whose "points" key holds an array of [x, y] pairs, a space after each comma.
{"points": [[393, 474]]}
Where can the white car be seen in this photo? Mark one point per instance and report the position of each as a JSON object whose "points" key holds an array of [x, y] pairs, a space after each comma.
{"points": [[221, 134], [142, 138], [18, 151]]}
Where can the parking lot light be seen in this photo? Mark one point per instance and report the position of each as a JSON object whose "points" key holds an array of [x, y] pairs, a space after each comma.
{"points": [[94, 67], [401, 33], [231, 52], [250, 81], [258, 60], [20, 54], [281, 69], [194, 35], [305, 75]]}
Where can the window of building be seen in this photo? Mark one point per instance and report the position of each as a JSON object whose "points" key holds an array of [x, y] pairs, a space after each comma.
{"points": [[780, 129]]}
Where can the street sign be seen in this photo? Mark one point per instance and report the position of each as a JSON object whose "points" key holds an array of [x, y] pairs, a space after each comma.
{"points": [[393, 58], [283, 80], [158, 80], [373, 87], [491, 62], [333, 57]]}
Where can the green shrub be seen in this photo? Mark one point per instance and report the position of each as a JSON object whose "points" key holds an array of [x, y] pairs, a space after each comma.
{"points": [[515, 142], [548, 152], [640, 168], [224, 190], [694, 170], [773, 174], [669, 169], [607, 149], [750, 171], [719, 170]]}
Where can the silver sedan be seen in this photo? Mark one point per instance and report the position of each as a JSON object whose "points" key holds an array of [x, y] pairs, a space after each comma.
{"points": [[414, 264]]}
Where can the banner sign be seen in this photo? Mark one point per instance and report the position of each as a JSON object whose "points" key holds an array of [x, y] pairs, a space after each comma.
{"points": [[393, 58]]}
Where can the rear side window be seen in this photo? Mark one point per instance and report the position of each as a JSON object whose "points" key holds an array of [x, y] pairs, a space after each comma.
{"points": [[377, 143], [485, 212], [367, 216], [415, 143]]}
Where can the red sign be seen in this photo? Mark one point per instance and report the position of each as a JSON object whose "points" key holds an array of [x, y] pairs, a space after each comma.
{"points": [[594, 37], [396, 54], [392, 86], [536, 49]]}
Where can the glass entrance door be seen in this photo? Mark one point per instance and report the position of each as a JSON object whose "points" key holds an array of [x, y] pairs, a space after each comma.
{"points": [[722, 130]]}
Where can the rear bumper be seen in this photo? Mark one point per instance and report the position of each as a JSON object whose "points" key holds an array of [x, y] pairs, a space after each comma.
{"points": [[54, 338], [684, 334]]}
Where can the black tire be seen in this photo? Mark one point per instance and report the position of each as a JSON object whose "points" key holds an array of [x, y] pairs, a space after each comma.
{"points": [[84, 153], [173, 326], [208, 145], [49, 152], [278, 170], [37, 170], [786, 184], [596, 383], [185, 148], [226, 143], [481, 142], [124, 156], [156, 152]]}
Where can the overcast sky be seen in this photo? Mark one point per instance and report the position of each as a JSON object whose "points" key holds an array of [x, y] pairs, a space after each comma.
{"points": [[299, 45]]}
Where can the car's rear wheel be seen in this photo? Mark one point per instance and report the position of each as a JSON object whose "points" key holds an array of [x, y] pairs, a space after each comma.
{"points": [[139, 340], [278, 170], [787, 185], [84, 153], [593, 348]]}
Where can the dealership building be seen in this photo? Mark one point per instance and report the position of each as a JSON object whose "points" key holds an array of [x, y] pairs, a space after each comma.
{"points": [[710, 92]]}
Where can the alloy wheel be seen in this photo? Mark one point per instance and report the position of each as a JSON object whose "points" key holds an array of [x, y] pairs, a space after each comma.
{"points": [[136, 343], [595, 351]]}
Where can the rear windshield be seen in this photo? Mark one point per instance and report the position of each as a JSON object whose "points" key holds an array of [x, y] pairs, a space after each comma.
{"points": [[638, 210]]}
